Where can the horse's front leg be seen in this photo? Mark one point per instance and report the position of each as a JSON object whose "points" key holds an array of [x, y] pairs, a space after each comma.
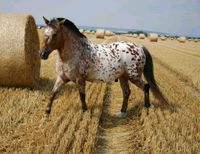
{"points": [[57, 86], [81, 88]]}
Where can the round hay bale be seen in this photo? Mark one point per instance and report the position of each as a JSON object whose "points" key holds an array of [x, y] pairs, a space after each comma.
{"points": [[20, 61], [100, 33], [92, 32], [41, 36], [109, 33], [163, 38], [196, 40], [87, 32], [128, 35], [141, 36], [81, 30], [153, 37], [181, 39], [135, 35]]}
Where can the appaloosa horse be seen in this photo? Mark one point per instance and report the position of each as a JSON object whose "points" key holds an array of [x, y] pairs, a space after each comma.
{"points": [[80, 60]]}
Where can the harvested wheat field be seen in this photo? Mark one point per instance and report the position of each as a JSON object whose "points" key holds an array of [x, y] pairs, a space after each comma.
{"points": [[68, 130]]}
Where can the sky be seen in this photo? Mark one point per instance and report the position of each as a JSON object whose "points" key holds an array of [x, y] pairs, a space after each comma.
{"points": [[180, 17]]}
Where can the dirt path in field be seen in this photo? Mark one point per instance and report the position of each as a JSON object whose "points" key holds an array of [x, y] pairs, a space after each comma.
{"points": [[119, 135]]}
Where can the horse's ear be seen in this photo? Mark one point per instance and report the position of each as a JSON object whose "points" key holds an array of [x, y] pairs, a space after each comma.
{"points": [[62, 22], [46, 20]]}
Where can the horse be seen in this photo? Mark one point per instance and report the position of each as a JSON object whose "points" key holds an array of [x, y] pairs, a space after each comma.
{"points": [[80, 60]]}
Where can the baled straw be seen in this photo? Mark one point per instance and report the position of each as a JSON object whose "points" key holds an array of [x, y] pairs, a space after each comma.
{"points": [[109, 33], [135, 35], [100, 33], [87, 32], [163, 38], [92, 32], [20, 62], [182, 39], [81, 30], [128, 35], [141, 36], [153, 37]]}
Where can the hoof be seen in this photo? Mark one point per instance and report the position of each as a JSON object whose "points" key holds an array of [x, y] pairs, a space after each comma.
{"points": [[121, 114], [48, 110], [47, 113], [147, 105], [84, 110]]}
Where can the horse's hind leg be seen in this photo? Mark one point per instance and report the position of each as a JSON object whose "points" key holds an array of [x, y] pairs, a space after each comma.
{"points": [[146, 96], [145, 87], [126, 93]]}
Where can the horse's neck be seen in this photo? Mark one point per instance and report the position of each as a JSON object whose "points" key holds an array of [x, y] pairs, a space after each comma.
{"points": [[74, 47]]}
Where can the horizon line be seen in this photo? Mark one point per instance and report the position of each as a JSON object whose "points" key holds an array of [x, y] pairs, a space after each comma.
{"points": [[134, 30]]}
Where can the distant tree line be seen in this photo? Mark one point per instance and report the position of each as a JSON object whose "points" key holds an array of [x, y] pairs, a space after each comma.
{"points": [[146, 34], [138, 32]]}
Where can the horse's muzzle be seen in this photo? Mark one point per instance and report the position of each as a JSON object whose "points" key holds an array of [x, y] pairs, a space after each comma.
{"points": [[44, 54]]}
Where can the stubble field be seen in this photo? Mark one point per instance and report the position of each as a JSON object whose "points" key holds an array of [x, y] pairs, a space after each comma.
{"points": [[69, 130]]}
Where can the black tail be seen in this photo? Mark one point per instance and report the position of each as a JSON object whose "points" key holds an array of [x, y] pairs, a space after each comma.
{"points": [[149, 76]]}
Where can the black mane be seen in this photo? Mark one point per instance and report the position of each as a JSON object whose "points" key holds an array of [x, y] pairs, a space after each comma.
{"points": [[72, 26]]}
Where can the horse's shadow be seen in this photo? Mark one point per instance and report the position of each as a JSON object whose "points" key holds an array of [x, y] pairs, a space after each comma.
{"points": [[45, 84], [109, 120]]}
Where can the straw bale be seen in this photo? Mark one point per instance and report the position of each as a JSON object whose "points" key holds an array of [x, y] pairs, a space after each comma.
{"points": [[20, 61], [141, 36], [109, 33], [100, 33], [153, 37], [81, 30], [135, 35], [87, 32], [163, 38], [181, 39]]}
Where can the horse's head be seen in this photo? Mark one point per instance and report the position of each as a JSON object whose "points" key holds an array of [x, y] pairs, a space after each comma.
{"points": [[52, 37]]}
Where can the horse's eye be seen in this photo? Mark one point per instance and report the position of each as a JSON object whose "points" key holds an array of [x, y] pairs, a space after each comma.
{"points": [[54, 35]]}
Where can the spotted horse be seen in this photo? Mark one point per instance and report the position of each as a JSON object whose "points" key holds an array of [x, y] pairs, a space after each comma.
{"points": [[80, 60]]}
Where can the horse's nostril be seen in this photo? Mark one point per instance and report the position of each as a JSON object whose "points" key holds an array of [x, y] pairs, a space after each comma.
{"points": [[44, 55]]}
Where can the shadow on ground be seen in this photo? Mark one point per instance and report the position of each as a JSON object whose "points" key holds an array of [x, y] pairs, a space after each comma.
{"points": [[109, 121]]}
